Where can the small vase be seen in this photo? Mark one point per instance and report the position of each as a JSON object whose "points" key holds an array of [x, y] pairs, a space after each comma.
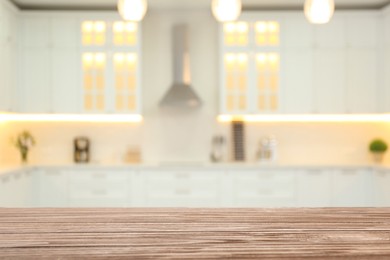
{"points": [[378, 157], [24, 157]]}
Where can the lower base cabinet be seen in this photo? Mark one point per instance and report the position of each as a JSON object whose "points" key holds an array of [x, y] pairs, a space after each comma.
{"points": [[314, 188], [265, 188], [381, 191], [79, 187], [352, 188]]}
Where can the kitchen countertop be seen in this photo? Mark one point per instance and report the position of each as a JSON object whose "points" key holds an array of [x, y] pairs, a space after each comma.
{"points": [[337, 233], [211, 166]]}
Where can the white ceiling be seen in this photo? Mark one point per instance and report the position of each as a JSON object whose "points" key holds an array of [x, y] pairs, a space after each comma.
{"points": [[256, 4]]}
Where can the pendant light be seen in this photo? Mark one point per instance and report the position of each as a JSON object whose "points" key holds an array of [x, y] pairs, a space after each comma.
{"points": [[319, 11], [226, 10], [132, 10]]}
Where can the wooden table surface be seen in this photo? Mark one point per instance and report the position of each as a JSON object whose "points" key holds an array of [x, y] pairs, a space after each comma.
{"points": [[195, 233]]}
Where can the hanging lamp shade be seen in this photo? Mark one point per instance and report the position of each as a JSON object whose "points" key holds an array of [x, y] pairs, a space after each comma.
{"points": [[132, 10], [226, 10], [319, 11]]}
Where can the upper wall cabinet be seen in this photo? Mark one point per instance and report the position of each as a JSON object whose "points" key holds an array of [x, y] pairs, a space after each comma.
{"points": [[111, 66], [251, 65], [72, 65], [386, 83], [50, 65], [280, 63], [8, 55]]}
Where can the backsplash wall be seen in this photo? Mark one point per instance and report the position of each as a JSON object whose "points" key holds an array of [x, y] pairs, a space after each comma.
{"points": [[185, 140]]}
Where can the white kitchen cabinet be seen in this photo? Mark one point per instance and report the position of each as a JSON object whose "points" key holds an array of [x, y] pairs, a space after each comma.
{"points": [[87, 66], [362, 80], [65, 33], [182, 188], [329, 81], [16, 189], [99, 188], [263, 188], [250, 66], [362, 31], [9, 29], [332, 35], [381, 190], [386, 55], [51, 65], [66, 70], [298, 81], [36, 80], [293, 39], [352, 188], [314, 188], [52, 188], [6, 198]]}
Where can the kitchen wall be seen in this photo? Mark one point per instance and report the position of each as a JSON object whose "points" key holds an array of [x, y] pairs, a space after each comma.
{"points": [[185, 136], [299, 143]]}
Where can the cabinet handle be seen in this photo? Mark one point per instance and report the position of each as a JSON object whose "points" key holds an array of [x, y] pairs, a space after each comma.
{"points": [[5, 179], [314, 172], [182, 176], [99, 176], [183, 192], [54, 173], [99, 192], [265, 176], [264, 192], [348, 172]]}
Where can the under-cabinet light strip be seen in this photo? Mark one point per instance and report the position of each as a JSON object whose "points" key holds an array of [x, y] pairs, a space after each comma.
{"points": [[95, 118], [307, 118]]}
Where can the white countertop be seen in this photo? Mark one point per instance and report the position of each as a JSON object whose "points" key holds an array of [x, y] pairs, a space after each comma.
{"points": [[216, 166]]}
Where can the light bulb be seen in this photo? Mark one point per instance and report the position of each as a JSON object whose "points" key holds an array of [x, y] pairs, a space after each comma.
{"points": [[319, 11], [226, 10], [132, 10]]}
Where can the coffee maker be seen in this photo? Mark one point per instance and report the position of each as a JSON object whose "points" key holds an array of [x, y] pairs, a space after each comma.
{"points": [[81, 150]]}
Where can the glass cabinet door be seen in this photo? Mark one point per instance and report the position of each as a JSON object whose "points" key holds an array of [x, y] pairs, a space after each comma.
{"points": [[110, 57]]}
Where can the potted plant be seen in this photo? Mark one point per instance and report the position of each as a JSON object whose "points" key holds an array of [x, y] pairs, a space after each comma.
{"points": [[378, 148], [23, 142]]}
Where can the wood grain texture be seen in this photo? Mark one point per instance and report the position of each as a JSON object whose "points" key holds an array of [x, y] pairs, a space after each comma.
{"points": [[330, 233]]}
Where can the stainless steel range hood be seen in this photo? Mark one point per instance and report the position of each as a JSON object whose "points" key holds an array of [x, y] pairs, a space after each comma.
{"points": [[181, 93]]}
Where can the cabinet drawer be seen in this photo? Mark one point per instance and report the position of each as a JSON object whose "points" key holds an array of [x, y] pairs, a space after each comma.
{"points": [[266, 192], [92, 190]]}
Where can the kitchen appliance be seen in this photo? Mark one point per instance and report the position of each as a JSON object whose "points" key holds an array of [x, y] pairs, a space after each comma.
{"points": [[81, 150], [267, 149], [218, 149], [181, 93]]}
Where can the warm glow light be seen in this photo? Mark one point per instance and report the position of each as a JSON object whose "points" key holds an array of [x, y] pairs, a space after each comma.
{"points": [[117, 118], [131, 58], [132, 10], [119, 27], [319, 11], [87, 27], [131, 27], [226, 10], [230, 27], [261, 27], [242, 27], [100, 27], [357, 118], [230, 58]]}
